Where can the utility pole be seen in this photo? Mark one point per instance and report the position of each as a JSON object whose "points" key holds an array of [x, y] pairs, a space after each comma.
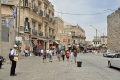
{"points": [[19, 22], [96, 36], [103, 38]]}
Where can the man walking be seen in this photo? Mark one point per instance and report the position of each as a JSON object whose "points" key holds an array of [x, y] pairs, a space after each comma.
{"points": [[58, 54], [50, 55], [63, 55], [75, 55], [13, 65]]}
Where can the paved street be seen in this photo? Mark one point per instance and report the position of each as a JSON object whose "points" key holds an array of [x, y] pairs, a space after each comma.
{"points": [[94, 67]]}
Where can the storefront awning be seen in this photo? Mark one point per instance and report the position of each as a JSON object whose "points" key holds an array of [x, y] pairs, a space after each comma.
{"points": [[43, 39], [56, 42]]}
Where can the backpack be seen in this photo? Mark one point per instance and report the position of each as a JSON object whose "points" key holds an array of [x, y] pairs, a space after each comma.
{"points": [[62, 52], [11, 57]]}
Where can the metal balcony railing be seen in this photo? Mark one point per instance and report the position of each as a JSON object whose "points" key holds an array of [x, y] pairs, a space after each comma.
{"points": [[34, 31]]}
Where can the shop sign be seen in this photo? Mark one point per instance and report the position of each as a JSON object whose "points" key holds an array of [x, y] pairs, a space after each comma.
{"points": [[64, 40]]}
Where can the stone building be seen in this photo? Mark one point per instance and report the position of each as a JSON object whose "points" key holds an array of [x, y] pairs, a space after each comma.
{"points": [[113, 30], [96, 42], [0, 27], [61, 37], [7, 28], [77, 34], [36, 25], [100, 42]]}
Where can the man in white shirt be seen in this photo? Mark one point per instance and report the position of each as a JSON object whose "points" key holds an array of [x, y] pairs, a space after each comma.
{"points": [[47, 52], [41, 51], [50, 55], [13, 65]]}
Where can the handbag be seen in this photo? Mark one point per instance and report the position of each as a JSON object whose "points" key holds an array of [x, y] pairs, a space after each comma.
{"points": [[15, 59]]}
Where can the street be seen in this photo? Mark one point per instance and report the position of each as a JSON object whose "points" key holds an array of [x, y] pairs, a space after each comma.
{"points": [[94, 67]]}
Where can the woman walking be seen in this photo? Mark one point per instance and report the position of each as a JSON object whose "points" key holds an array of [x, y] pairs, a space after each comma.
{"points": [[44, 55], [67, 55]]}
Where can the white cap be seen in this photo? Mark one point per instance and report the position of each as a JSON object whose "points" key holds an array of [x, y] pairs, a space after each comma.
{"points": [[15, 46]]}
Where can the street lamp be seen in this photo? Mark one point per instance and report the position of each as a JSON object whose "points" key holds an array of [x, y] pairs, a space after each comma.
{"points": [[96, 33]]}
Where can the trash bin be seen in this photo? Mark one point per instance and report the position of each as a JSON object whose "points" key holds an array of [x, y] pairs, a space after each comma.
{"points": [[79, 63]]}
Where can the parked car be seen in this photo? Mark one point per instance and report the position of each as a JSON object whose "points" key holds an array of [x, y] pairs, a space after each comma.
{"points": [[109, 53], [114, 61]]}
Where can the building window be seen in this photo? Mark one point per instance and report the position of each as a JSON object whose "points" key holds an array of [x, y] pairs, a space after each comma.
{"points": [[3, 1], [39, 27], [33, 25], [10, 22], [4, 22]]}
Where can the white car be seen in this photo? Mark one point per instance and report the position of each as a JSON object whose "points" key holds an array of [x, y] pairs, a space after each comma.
{"points": [[114, 61], [109, 53]]}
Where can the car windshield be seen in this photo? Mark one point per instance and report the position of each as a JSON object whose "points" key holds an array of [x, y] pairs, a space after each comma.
{"points": [[111, 51]]}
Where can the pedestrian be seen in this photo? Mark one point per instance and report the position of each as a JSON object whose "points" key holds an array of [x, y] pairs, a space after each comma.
{"points": [[39, 52], [26, 52], [67, 55], [75, 55], [50, 55], [13, 55], [44, 55], [58, 54], [63, 55], [9, 56], [47, 53], [71, 55], [42, 51]]}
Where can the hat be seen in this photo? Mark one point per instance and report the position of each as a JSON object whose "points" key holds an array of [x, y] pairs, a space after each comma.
{"points": [[15, 46]]}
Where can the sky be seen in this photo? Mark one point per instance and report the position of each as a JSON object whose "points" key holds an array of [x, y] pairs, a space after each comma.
{"points": [[87, 11]]}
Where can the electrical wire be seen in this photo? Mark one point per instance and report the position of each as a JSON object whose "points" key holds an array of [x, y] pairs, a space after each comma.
{"points": [[105, 11]]}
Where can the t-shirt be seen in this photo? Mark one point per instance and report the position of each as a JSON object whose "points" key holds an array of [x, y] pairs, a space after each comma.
{"points": [[13, 52], [75, 53], [45, 53]]}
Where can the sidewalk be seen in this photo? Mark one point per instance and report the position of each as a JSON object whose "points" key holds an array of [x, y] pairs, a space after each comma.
{"points": [[32, 68]]}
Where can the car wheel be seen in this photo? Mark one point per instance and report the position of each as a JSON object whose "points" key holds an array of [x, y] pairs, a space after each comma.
{"points": [[109, 64]]}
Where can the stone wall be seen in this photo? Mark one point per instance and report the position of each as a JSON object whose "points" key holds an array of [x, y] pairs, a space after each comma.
{"points": [[113, 23]]}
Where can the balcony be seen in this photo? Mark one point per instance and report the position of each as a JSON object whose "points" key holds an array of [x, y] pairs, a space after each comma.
{"points": [[27, 5], [6, 2], [53, 21], [34, 32], [40, 12], [26, 30], [35, 8], [46, 34], [47, 16], [50, 19], [52, 36], [40, 33]]}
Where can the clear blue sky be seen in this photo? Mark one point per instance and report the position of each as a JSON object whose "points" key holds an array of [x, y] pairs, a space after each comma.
{"points": [[99, 21]]}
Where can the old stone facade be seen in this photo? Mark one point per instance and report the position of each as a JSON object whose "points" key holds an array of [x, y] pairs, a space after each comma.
{"points": [[77, 34], [7, 32], [61, 37], [0, 27], [37, 24], [99, 42], [113, 28]]}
